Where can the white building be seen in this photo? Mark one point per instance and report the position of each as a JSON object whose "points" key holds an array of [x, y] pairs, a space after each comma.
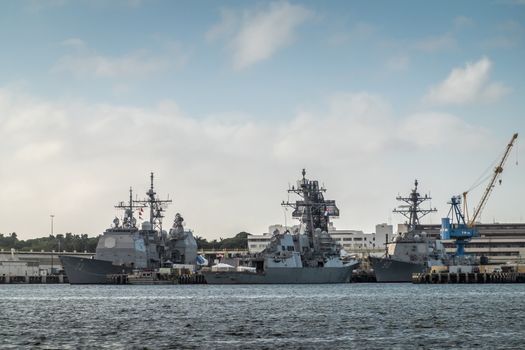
{"points": [[46, 262], [355, 241], [257, 243], [350, 240]]}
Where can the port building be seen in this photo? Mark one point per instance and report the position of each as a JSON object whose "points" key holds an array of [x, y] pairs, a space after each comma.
{"points": [[352, 241]]}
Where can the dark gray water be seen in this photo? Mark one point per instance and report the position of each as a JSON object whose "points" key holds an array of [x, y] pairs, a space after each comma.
{"points": [[370, 316]]}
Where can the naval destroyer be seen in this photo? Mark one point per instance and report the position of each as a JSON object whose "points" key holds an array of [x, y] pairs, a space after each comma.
{"points": [[124, 247], [412, 251], [308, 257]]}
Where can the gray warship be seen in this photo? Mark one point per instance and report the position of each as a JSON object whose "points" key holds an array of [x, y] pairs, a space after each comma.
{"points": [[124, 247], [310, 257], [411, 251]]}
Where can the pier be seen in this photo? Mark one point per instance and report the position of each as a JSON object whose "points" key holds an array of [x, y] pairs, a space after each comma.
{"points": [[27, 279], [468, 277], [156, 279]]}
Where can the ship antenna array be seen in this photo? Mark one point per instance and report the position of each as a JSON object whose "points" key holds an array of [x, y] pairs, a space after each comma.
{"points": [[157, 206], [128, 208], [312, 209], [412, 210]]}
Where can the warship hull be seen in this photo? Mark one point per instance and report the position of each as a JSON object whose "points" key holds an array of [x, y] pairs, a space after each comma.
{"points": [[283, 275], [391, 270], [89, 271]]}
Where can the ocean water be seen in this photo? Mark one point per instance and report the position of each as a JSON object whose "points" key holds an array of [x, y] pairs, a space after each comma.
{"points": [[346, 316]]}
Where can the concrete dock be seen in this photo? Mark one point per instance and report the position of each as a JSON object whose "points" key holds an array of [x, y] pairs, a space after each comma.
{"points": [[156, 280], [27, 279], [468, 277]]}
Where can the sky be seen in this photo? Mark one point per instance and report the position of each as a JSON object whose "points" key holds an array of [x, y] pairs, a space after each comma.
{"points": [[226, 102]]}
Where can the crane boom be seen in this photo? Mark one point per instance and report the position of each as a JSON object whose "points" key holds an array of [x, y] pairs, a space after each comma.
{"points": [[497, 171]]}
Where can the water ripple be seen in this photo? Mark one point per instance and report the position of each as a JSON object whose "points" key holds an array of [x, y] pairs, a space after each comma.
{"points": [[372, 316]]}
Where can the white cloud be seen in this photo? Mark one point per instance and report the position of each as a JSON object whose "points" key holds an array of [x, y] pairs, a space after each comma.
{"points": [[229, 20], [136, 64], [359, 31], [225, 174], [500, 42], [508, 34], [398, 62], [85, 62], [75, 43], [467, 85], [510, 26], [40, 5], [257, 34], [427, 130], [39, 152], [343, 129], [461, 22], [437, 43], [134, 3]]}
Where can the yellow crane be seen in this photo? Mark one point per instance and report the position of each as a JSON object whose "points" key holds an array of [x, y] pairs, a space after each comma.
{"points": [[496, 173]]}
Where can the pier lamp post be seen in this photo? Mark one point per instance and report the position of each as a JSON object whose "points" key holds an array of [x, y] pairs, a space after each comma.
{"points": [[52, 216]]}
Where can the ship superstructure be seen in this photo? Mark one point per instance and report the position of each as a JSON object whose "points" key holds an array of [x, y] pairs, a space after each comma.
{"points": [[294, 257], [125, 247], [411, 251], [314, 213], [412, 210]]}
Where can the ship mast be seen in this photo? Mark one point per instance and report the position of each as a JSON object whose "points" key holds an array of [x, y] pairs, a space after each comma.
{"points": [[411, 210], [151, 196], [156, 206], [312, 210], [129, 220]]}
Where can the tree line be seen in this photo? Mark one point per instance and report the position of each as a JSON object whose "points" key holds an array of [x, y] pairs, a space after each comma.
{"points": [[239, 241], [68, 242], [71, 242]]}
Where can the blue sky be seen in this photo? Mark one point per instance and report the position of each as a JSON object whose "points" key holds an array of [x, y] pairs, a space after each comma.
{"points": [[227, 101]]}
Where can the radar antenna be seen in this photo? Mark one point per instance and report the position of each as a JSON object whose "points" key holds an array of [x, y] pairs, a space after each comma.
{"points": [[312, 209], [156, 206], [412, 210], [129, 220]]}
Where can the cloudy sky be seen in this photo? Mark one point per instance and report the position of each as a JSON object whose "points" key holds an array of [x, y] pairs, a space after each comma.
{"points": [[227, 101]]}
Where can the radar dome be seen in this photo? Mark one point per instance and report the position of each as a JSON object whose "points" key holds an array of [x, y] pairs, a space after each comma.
{"points": [[146, 225]]}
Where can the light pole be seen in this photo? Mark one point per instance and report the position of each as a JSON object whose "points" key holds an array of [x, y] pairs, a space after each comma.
{"points": [[52, 217]]}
